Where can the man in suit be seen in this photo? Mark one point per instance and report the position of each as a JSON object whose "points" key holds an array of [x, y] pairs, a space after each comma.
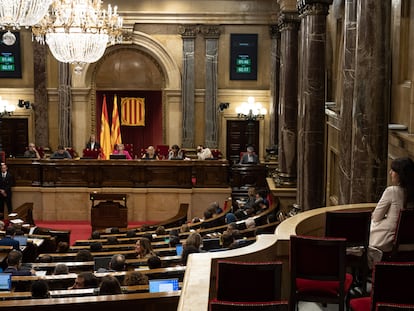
{"points": [[249, 157], [92, 143], [9, 240], [6, 183]]}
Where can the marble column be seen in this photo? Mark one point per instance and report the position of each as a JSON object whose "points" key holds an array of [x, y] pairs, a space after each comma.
{"points": [[40, 105], [288, 99], [188, 34], [311, 113], [346, 102], [274, 85], [211, 34], [65, 105], [371, 100]]}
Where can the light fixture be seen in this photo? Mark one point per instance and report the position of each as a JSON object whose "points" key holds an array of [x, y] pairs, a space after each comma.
{"points": [[78, 31], [6, 110], [20, 13], [23, 104], [251, 110]]}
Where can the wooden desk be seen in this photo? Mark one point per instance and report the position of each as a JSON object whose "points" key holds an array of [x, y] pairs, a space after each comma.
{"points": [[119, 173]]}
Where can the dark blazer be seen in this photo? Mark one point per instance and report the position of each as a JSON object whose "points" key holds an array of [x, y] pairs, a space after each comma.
{"points": [[8, 241], [7, 183], [96, 147], [245, 159]]}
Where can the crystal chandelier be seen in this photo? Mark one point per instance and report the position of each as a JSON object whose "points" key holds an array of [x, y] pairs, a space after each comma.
{"points": [[78, 31], [20, 13], [251, 110]]}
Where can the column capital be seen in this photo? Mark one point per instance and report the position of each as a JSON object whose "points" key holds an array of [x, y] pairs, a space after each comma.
{"points": [[288, 21], [188, 31], [210, 31], [313, 7], [287, 5], [274, 31]]}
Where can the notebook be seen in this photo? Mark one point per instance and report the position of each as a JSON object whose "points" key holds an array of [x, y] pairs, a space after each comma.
{"points": [[5, 282], [102, 262], [163, 285]]}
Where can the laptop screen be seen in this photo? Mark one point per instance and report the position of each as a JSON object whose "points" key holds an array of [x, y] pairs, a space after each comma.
{"points": [[102, 262], [179, 249], [163, 285], [22, 239], [5, 282], [117, 156]]}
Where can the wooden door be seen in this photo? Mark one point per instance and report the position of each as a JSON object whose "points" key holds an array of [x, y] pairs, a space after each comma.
{"points": [[240, 134], [14, 136]]}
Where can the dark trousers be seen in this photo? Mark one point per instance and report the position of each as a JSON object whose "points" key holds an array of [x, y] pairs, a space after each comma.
{"points": [[8, 202]]}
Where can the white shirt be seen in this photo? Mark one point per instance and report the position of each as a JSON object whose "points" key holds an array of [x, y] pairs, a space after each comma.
{"points": [[204, 154]]}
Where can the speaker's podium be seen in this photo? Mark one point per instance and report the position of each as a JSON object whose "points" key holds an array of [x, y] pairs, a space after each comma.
{"points": [[111, 211]]}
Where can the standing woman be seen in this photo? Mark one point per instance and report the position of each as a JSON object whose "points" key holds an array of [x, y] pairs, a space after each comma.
{"points": [[385, 215]]}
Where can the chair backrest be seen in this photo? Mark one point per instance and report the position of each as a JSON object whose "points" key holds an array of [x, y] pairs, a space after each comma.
{"points": [[162, 151], [393, 307], [403, 245], [391, 283], [89, 153], [242, 306], [249, 281], [354, 226], [317, 258], [130, 149]]}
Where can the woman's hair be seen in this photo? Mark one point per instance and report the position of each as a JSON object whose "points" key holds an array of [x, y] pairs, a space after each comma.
{"points": [[194, 239], [135, 278], [110, 286], [404, 167], [89, 279], [146, 247], [187, 250], [62, 247], [160, 230]]}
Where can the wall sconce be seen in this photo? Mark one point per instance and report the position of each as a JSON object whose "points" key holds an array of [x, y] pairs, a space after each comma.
{"points": [[251, 110], [23, 104], [6, 110], [223, 106]]}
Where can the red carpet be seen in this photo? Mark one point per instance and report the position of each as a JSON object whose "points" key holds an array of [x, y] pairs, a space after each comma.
{"points": [[80, 230]]}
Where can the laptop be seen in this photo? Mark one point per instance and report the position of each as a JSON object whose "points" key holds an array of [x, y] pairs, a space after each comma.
{"points": [[5, 282], [163, 285], [22, 239], [179, 249], [102, 262], [117, 156], [209, 244]]}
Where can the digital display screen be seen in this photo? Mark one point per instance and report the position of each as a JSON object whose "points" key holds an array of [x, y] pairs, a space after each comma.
{"points": [[10, 62], [243, 56]]}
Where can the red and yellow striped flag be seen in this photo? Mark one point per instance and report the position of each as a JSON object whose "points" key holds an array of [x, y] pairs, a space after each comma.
{"points": [[133, 111], [115, 126], [105, 137]]}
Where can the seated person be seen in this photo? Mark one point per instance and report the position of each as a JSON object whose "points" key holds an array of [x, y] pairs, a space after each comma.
{"points": [[31, 152], [9, 240], [61, 153], [135, 278], [85, 280], [117, 263], [60, 269], [40, 289], [110, 286], [175, 153], [249, 157], [92, 144], [14, 264], [150, 154], [204, 153], [143, 248], [120, 149], [154, 262]]}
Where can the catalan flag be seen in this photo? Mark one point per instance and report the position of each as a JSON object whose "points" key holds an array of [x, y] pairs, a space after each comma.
{"points": [[115, 126], [105, 137], [133, 111]]}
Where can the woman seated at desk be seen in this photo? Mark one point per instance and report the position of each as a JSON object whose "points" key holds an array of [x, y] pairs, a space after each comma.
{"points": [[120, 149], [150, 154], [175, 153]]}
